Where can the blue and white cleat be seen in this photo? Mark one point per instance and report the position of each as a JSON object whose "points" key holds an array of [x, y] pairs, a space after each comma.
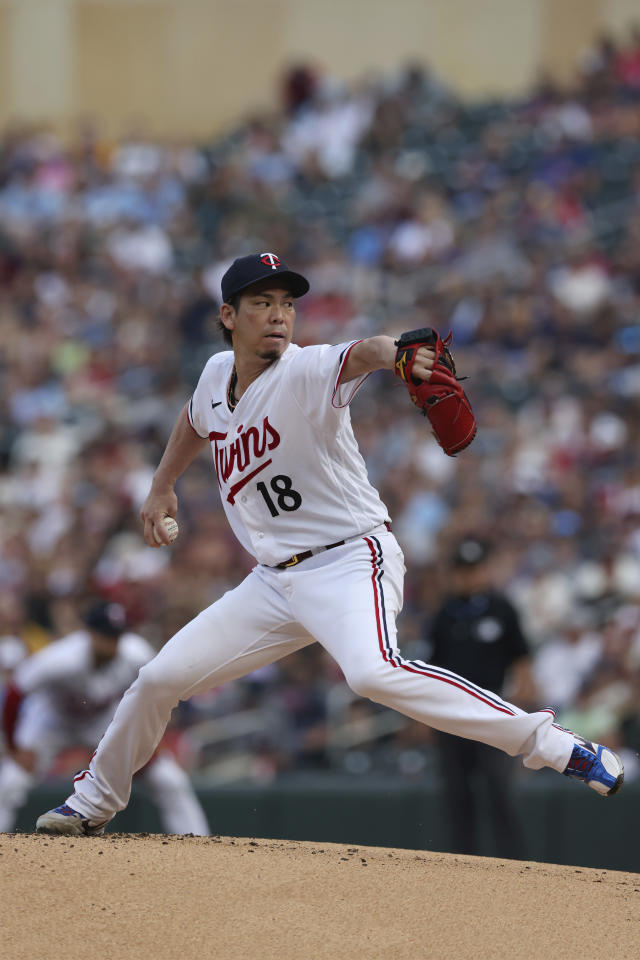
{"points": [[598, 766], [67, 821]]}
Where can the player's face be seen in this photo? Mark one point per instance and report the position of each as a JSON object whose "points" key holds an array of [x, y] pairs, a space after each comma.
{"points": [[263, 323], [472, 579], [104, 648]]}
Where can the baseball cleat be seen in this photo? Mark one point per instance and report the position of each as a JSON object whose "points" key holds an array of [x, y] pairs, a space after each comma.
{"points": [[67, 821], [598, 766]]}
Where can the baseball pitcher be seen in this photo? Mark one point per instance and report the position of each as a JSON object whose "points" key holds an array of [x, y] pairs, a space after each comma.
{"points": [[328, 568]]}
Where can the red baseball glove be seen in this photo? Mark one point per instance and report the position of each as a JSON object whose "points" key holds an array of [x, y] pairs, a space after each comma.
{"points": [[441, 398]]}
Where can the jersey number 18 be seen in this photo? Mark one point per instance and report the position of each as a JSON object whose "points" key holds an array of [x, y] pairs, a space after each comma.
{"points": [[286, 497]]}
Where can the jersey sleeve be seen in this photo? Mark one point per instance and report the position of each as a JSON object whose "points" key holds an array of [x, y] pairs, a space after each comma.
{"points": [[194, 420], [194, 412], [200, 401], [209, 392], [316, 383]]}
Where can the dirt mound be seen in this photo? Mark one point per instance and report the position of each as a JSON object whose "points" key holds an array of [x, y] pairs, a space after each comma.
{"points": [[152, 897]]}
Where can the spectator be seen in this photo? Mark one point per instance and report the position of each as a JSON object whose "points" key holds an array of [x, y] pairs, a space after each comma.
{"points": [[476, 633]]}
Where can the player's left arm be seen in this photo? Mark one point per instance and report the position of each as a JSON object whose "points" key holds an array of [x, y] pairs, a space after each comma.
{"points": [[183, 446], [379, 353]]}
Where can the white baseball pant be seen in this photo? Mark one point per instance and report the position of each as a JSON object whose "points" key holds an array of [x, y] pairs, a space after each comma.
{"points": [[347, 599]]}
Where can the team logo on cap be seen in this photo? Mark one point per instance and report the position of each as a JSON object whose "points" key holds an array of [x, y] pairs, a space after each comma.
{"points": [[270, 260]]}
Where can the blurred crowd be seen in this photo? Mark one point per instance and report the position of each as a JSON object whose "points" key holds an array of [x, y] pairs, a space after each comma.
{"points": [[514, 223]]}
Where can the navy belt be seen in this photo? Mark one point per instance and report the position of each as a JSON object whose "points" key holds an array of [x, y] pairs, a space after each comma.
{"points": [[299, 557]]}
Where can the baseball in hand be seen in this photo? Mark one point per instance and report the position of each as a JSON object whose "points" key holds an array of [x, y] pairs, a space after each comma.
{"points": [[170, 525]]}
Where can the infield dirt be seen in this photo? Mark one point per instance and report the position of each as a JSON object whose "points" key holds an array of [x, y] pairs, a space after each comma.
{"points": [[153, 897]]}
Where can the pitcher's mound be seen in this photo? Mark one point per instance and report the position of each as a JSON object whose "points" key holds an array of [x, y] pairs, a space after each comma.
{"points": [[152, 897]]}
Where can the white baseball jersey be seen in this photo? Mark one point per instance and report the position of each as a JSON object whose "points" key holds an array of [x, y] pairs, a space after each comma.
{"points": [[64, 671], [294, 414]]}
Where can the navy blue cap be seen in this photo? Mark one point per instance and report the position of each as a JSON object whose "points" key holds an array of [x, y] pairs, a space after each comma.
{"points": [[107, 618], [245, 271]]}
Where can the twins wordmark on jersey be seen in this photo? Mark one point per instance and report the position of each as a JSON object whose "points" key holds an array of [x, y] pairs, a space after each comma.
{"points": [[290, 473], [244, 451]]}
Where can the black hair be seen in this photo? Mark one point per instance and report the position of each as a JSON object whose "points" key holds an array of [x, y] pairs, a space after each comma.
{"points": [[234, 302]]}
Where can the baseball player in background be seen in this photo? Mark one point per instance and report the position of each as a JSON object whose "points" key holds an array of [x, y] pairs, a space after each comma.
{"points": [[65, 695], [328, 568]]}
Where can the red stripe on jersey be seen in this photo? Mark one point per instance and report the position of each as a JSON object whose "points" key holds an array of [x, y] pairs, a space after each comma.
{"points": [[237, 487]]}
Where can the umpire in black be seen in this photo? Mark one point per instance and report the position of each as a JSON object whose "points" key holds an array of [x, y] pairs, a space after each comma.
{"points": [[476, 632]]}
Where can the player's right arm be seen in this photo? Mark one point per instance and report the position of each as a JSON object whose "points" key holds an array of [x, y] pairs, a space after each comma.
{"points": [[182, 448]]}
